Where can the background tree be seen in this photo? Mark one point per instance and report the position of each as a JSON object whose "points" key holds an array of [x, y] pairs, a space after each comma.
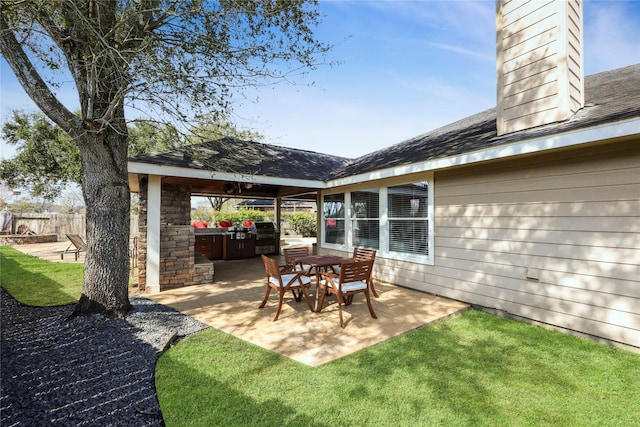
{"points": [[146, 136], [6, 194], [211, 127], [70, 202], [24, 204], [47, 159], [178, 58]]}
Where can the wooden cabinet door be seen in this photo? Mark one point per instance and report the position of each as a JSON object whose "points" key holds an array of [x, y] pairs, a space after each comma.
{"points": [[203, 245], [249, 247], [216, 247], [238, 248], [229, 248]]}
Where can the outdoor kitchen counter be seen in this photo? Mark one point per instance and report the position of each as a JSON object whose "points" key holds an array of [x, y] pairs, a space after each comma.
{"points": [[208, 243], [210, 230], [213, 244], [243, 242]]}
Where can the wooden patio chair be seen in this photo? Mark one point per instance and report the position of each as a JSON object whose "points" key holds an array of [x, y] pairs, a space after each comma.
{"points": [[284, 282], [362, 254], [353, 279], [290, 259], [76, 246]]}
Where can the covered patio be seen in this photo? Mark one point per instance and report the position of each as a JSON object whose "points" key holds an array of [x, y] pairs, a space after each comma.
{"points": [[227, 168], [231, 302]]}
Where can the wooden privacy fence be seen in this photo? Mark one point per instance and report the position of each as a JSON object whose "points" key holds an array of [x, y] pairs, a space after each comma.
{"points": [[59, 224]]}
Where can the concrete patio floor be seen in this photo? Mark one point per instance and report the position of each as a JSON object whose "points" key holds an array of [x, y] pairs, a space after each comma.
{"points": [[230, 304], [50, 251]]}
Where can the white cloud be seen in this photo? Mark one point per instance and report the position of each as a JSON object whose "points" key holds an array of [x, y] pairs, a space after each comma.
{"points": [[464, 51]]}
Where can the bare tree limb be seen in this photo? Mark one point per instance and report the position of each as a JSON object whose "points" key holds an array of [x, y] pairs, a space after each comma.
{"points": [[33, 84]]}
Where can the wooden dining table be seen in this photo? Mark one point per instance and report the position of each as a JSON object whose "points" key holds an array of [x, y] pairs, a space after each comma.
{"points": [[323, 262]]}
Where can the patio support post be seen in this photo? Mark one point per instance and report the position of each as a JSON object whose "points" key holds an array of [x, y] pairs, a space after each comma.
{"points": [[319, 223], [153, 233], [278, 214]]}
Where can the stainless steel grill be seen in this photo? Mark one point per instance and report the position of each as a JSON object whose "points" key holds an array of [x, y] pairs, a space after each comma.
{"points": [[264, 230], [267, 238]]}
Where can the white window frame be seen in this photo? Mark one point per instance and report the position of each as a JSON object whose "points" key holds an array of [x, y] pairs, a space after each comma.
{"points": [[383, 250], [419, 258]]}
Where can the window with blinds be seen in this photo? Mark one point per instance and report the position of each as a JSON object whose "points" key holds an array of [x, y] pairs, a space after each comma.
{"points": [[333, 215], [395, 220], [408, 213], [365, 218]]}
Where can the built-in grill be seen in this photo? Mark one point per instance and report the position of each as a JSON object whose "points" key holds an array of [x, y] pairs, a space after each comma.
{"points": [[267, 238]]}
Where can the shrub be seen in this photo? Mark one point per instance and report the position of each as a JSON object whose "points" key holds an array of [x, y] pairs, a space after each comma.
{"points": [[237, 218], [303, 223]]}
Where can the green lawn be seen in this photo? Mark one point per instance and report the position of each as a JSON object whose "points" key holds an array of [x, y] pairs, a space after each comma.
{"points": [[472, 369], [36, 282]]}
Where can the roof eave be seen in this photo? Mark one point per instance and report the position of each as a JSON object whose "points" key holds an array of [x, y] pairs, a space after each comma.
{"points": [[588, 135], [140, 168]]}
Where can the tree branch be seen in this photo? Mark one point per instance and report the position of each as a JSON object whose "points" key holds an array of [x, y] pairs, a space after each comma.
{"points": [[33, 84]]}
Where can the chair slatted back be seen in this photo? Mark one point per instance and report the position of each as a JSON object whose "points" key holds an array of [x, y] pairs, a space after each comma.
{"points": [[291, 254], [361, 254], [295, 252], [77, 241], [355, 271], [271, 267]]}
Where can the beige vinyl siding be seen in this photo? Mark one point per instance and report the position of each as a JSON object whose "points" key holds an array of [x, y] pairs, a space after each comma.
{"points": [[571, 219]]}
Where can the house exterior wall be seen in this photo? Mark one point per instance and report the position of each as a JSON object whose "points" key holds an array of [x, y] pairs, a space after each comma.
{"points": [[554, 238], [540, 72]]}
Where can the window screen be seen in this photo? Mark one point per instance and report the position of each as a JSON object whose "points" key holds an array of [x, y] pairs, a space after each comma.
{"points": [[365, 218], [408, 206]]}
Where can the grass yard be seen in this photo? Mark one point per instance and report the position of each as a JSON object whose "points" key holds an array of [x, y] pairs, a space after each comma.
{"points": [[37, 282], [472, 369]]}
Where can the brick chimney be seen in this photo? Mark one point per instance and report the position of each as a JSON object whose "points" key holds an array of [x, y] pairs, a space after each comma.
{"points": [[540, 68]]}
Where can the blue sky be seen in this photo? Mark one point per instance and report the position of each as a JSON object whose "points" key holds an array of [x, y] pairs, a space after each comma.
{"points": [[406, 67]]}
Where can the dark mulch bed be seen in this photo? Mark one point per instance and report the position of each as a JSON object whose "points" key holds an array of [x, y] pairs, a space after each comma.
{"points": [[93, 370]]}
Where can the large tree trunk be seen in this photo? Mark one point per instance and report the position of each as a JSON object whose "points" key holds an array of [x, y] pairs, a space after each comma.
{"points": [[106, 191], [102, 138]]}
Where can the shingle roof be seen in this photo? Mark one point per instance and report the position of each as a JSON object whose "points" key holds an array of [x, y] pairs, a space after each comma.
{"points": [[251, 158], [609, 96]]}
